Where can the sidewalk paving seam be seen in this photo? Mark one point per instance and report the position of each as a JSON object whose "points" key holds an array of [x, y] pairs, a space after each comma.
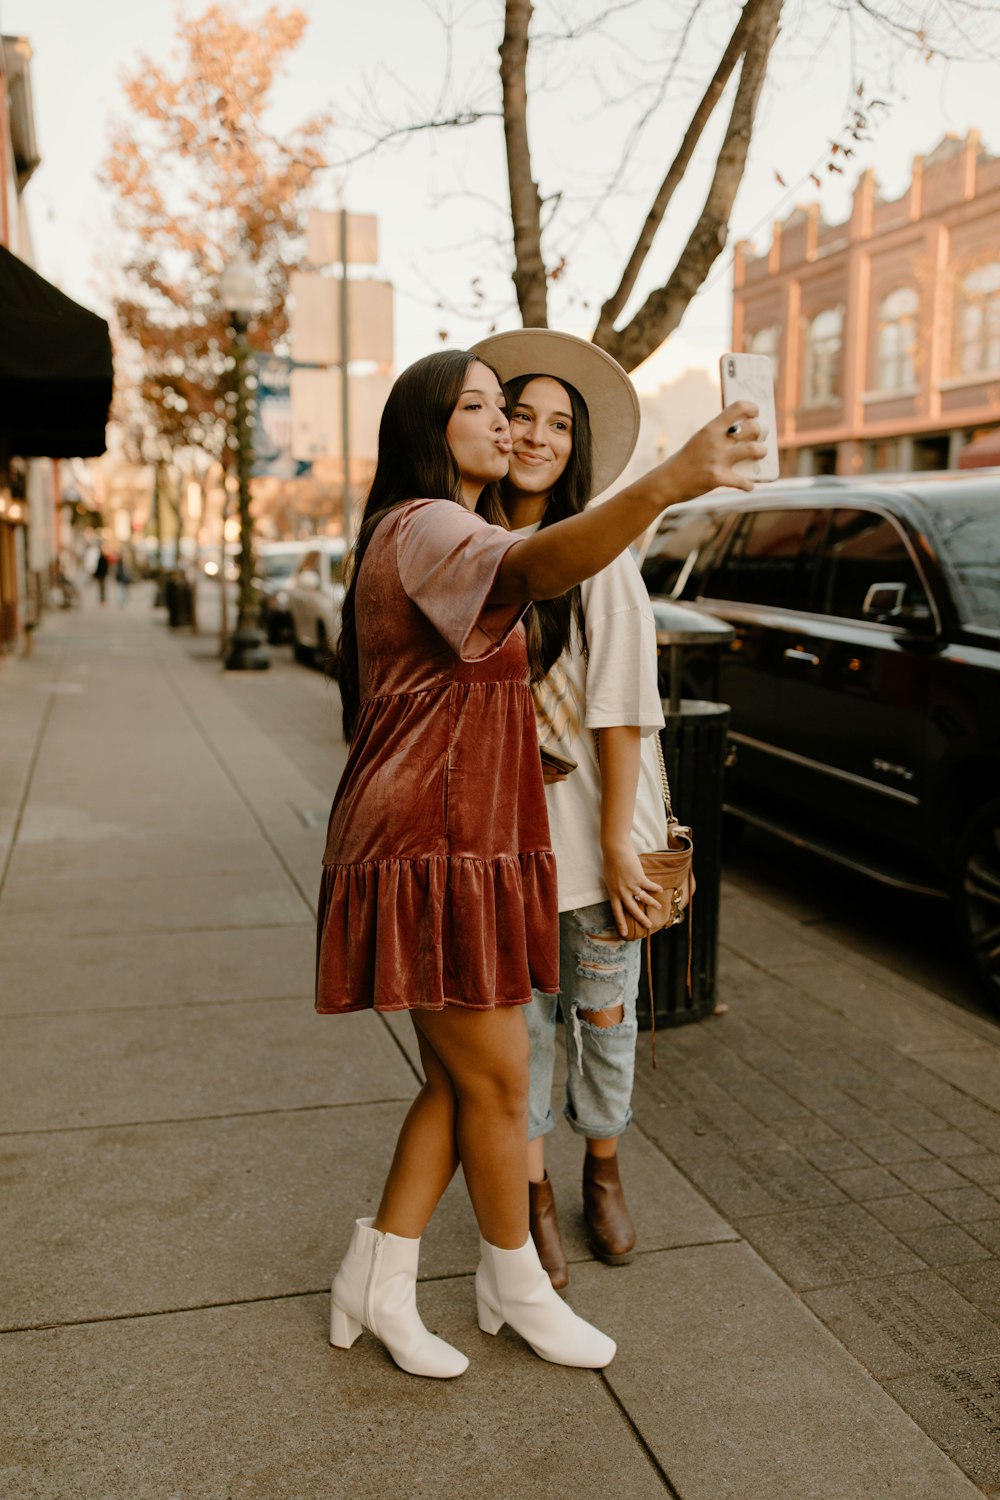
{"points": [[203, 735], [196, 1307], [128, 1010], [620, 1407], [135, 931], [29, 776], [238, 1114]]}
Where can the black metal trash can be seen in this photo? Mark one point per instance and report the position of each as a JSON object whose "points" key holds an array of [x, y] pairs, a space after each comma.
{"points": [[694, 748], [179, 599]]}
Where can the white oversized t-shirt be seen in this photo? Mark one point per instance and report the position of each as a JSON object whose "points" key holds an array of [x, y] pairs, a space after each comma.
{"points": [[618, 686]]}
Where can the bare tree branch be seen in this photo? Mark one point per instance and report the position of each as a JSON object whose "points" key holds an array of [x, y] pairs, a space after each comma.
{"points": [[636, 130], [525, 202], [664, 308], [467, 117], [584, 28], [675, 174]]}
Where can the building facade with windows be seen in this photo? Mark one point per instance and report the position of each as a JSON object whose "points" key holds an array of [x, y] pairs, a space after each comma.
{"points": [[55, 373], [885, 329]]}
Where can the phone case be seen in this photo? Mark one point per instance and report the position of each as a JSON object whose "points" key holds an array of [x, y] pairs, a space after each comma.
{"points": [[561, 763], [750, 377]]}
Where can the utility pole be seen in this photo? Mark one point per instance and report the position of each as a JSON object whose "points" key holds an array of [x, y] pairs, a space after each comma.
{"points": [[345, 397]]}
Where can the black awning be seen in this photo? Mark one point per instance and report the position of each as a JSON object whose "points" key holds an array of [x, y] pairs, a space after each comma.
{"points": [[55, 368]]}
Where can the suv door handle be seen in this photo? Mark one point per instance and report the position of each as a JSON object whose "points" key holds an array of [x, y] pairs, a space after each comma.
{"points": [[796, 653]]}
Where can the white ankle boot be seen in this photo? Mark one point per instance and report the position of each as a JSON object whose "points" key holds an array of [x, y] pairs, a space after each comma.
{"points": [[512, 1287], [376, 1288]]}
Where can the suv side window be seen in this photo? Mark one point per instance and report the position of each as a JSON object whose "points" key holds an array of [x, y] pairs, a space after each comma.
{"points": [[336, 569], [771, 560], [677, 551], [862, 548]]}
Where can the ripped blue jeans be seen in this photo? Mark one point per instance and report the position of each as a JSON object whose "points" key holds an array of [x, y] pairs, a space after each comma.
{"points": [[598, 970]]}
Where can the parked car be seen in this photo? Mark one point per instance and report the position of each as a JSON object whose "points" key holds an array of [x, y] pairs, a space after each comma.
{"points": [[315, 596], [276, 563], [864, 676]]}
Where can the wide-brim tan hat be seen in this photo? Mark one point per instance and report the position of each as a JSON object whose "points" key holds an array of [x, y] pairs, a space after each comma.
{"points": [[612, 403]]}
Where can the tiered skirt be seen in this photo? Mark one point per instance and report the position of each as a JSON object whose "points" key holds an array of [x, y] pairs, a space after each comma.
{"points": [[420, 934]]}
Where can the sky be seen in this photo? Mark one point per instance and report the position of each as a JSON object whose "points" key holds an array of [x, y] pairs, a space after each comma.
{"points": [[439, 196]]}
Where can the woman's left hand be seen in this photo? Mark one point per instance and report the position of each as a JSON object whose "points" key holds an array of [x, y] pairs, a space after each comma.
{"points": [[629, 887]]}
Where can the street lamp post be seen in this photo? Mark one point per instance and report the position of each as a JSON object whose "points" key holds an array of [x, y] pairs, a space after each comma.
{"points": [[238, 288]]}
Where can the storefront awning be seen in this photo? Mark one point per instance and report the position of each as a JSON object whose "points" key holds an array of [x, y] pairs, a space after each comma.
{"points": [[55, 368]]}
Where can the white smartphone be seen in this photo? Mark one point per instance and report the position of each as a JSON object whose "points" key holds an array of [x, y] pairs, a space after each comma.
{"points": [[750, 377]]}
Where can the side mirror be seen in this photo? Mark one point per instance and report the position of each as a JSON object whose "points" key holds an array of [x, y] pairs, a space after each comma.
{"points": [[883, 601], [308, 579], [885, 604]]}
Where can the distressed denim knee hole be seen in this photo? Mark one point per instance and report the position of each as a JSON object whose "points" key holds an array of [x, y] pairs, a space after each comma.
{"points": [[587, 968], [602, 1017], [597, 961], [606, 935]]}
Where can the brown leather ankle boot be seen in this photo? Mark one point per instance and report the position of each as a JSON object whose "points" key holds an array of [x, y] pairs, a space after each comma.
{"points": [[609, 1224], [544, 1227]]}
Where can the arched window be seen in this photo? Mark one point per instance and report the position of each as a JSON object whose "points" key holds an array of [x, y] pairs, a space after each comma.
{"points": [[821, 368], [977, 324], [897, 340], [764, 341]]}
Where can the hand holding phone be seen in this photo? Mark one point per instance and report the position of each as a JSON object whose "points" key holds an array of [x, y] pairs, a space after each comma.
{"points": [[750, 377]]}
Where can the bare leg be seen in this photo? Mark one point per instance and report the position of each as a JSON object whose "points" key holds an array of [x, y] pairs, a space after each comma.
{"points": [[536, 1159], [485, 1055], [426, 1153]]}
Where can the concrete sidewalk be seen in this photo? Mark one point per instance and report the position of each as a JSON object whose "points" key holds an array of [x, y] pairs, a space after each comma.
{"points": [[815, 1314]]}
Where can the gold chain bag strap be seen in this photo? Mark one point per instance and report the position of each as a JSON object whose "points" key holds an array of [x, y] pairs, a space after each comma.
{"points": [[671, 868]]}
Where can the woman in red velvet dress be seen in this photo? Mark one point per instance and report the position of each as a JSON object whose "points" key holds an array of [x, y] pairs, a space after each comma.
{"points": [[438, 893]]}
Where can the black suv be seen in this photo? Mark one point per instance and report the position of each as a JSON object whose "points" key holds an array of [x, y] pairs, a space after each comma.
{"points": [[864, 676]]}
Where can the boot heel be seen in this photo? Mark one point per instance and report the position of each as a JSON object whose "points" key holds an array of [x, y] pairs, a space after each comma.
{"points": [[343, 1328], [489, 1321]]}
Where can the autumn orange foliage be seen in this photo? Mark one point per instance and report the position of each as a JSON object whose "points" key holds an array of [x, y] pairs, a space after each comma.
{"points": [[196, 175]]}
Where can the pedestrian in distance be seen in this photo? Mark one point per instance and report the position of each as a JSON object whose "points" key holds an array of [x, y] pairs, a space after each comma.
{"points": [[593, 663], [438, 894], [122, 578], [101, 569]]}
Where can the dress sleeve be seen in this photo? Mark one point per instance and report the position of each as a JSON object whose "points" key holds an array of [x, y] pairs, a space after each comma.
{"points": [[448, 559]]}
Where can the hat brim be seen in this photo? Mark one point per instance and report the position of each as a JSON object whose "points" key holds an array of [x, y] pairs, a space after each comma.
{"points": [[612, 403]]}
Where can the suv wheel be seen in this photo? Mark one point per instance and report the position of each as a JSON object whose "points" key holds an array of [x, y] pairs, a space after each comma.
{"points": [[977, 895], [301, 653]]}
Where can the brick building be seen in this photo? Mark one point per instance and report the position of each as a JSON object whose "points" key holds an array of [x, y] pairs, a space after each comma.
{"points": [[55, 372], [885, 330]]}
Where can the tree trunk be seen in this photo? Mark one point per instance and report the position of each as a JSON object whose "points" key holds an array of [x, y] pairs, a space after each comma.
{"points": [[526, 205]]}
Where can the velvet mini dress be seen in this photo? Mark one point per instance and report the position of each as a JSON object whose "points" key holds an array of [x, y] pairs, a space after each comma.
{"points": [[439, 881]]}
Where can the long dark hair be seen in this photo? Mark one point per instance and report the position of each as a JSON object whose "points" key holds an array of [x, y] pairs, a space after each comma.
{"points": [[549, 622], [414, 463]]}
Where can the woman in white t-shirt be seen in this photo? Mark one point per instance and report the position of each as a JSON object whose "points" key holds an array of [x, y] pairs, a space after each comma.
{"points": [[593, 658]]}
